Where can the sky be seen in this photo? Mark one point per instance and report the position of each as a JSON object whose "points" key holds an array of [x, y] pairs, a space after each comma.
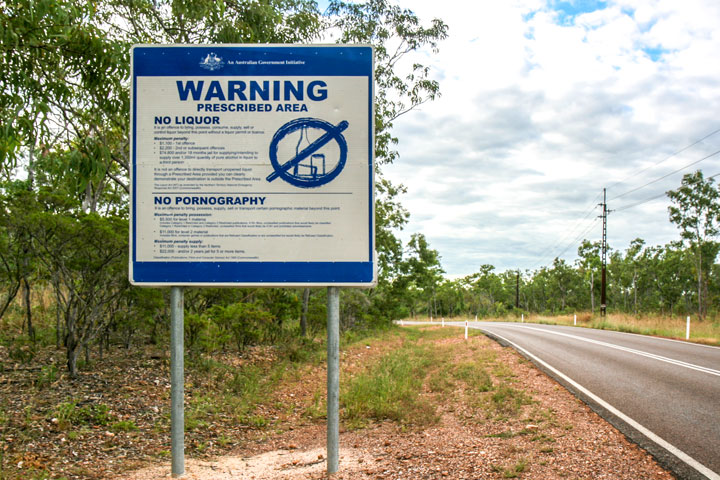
{"points": [[544, 104]]}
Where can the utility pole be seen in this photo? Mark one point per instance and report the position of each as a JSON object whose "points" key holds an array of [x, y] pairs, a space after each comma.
{"points": [[603, 284]]}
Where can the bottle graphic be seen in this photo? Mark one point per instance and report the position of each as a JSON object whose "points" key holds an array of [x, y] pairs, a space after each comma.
{"points": [[314, 165], [311, 165]]}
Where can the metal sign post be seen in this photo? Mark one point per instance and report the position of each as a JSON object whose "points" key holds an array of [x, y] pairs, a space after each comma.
{"points": [[252, 166], [333, 379], [177, 381]]}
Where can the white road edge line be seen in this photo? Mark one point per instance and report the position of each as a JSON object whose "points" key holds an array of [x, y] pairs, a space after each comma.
{"points": [[683, 342], [649, 434], [672, 361]]}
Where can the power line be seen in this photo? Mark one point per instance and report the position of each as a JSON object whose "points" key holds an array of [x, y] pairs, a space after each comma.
{"points": [[590, 227], [625, 207], [665, 176], [545, 260], [665, 159], [569, 232], [580, 222]]}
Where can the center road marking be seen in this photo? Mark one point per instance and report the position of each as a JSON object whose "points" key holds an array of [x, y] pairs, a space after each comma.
{"points": [[679, 363]]}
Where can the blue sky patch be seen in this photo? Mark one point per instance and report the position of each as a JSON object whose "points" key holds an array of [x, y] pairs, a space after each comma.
{"points": [[655, 53], [568, 10]]}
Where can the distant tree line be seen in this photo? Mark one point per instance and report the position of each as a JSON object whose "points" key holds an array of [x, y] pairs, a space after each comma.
{"points": [[678, 278]]}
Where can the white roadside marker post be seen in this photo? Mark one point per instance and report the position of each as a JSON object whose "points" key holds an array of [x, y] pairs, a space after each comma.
{"points": [[522, 318], [466, 329], [575, 320], [687, 329], [443, 321]]}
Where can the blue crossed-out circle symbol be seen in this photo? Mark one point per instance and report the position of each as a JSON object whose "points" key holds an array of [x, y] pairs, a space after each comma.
{"points": [[311, 175]]}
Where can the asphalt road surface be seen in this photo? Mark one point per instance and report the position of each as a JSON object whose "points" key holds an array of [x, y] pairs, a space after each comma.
{"points": [[663, 394]]}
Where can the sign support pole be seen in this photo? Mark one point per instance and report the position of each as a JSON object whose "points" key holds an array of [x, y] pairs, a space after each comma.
{"points": [[333, 379], [177, 382]]}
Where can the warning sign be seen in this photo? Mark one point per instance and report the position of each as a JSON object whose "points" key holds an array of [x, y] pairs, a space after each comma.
{"points": [[252, 165]]}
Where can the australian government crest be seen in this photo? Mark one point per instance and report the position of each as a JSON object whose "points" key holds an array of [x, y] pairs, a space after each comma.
{"points": [[212, 62]]}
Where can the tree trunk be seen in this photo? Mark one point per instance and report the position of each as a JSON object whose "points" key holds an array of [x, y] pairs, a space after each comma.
{"points": [[11, 294], [72, 353], [635, 290], [28, 310], [128, 338], [701, 300], [303, 316], [592, 292]]}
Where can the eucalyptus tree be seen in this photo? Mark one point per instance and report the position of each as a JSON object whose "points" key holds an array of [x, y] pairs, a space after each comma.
{"points": [[84, 257], [15, 243], [633, 259], [488, 287], [400, 87], [450, 298], [564, 281], [670, 277], [589, 262], [696, 212], [56, 69], [423, 272]]}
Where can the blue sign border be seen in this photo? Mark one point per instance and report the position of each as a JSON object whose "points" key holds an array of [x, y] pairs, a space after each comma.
{"points": [[323, 60]]}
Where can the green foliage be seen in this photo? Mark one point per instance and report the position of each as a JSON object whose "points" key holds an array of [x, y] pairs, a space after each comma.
{"points": [[124, 426], [64, 112], [22, 351], [46, 377], [388, 390], [394, 32], [516, 470], [85, 256], [474, 375], [506, 400], [56, 61], [69, 414], [696, 212], [245, 323]]}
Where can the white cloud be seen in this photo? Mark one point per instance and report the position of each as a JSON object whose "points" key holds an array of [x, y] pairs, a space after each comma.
{"points": [[536, 117]]}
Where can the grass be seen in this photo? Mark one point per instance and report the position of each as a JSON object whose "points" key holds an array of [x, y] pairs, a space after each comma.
{"points": [[507, 401], [236, 391], [123, 426], [474, 375], [389, 390], [516, 470], [706, 331], [409, 384], [68, 414]]}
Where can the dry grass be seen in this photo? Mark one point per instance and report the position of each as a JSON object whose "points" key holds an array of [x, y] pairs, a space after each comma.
{"points": [[706, 332]]}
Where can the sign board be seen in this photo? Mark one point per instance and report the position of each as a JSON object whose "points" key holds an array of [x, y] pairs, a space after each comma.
{"points": [[252, 165]]}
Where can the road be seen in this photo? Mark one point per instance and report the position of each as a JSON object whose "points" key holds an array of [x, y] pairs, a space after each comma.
{"points": [[663, 394]]}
